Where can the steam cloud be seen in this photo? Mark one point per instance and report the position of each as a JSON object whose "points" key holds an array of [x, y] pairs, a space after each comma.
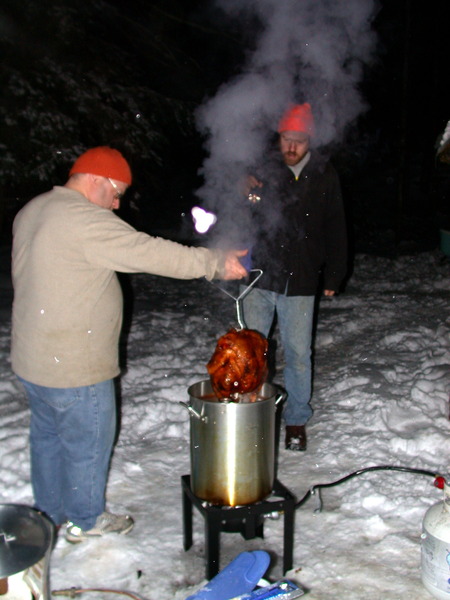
{"points": [[305, 51]]}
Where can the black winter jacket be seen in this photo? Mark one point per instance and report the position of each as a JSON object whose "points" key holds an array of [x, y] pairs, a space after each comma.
{"points": [[297, 230]]}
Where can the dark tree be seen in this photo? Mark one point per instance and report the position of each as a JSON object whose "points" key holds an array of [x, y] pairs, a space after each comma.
{"points": [[81, 74]]}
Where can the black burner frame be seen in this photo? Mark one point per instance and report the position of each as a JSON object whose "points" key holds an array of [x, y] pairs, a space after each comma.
{"points": [[247, 520]]}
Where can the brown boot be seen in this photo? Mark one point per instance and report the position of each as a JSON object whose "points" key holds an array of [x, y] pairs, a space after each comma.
{"points": [[295, 437]]}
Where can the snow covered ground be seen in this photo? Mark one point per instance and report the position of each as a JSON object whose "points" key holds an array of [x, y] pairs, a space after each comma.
{"points": [[381, 397]]}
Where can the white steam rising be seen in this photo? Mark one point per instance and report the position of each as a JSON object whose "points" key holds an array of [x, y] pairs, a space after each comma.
{"points": [[305, 51]]}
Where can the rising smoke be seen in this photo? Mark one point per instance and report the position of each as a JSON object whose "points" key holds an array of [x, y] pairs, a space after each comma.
{"points": [[305, 51]]}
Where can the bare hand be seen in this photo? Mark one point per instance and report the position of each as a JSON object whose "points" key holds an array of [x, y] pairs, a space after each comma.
{"points": [[233, 268], [250, 183], [329, 293]]}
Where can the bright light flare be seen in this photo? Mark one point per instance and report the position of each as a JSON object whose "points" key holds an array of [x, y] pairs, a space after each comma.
{"points": [[203, 219]]}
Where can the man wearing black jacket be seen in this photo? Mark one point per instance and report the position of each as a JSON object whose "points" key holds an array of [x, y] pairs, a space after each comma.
{"points": [[296, 214]]}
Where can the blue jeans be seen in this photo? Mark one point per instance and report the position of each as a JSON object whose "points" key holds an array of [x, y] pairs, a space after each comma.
{"points": [[71, 438], [295, 321]]}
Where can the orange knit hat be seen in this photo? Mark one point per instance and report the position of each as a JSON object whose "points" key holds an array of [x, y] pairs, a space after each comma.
{"points": [[103, 161], [298, 117]]}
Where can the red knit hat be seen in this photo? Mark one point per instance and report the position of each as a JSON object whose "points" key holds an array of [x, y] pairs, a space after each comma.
{"points": [[103, 161], [298, 118]]}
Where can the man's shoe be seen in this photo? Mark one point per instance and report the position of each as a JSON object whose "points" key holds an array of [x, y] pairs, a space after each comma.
{"points": [[106, 523], [295, 438]]}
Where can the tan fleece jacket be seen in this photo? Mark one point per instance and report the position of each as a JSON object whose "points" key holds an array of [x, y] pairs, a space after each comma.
{"points": [[67, 310]]}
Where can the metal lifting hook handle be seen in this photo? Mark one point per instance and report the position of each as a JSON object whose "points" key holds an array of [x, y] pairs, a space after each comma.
{"points": [[249, 287], [241, 296], [240, 316]]}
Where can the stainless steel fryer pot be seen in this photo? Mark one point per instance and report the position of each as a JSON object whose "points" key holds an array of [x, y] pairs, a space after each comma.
{"points": [[232, 445]]}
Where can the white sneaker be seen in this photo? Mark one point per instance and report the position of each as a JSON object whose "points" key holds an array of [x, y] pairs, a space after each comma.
{"points": [[106, 523]]}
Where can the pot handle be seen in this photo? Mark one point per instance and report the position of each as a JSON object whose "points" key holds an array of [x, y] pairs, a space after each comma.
{"points": [[193, 412], [279, 398]]}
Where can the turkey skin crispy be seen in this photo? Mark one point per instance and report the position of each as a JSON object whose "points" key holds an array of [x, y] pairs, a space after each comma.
{"points": [[239, 363]]}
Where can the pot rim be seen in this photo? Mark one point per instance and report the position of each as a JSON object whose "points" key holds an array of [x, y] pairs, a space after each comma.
{"points": [[268, 390]]}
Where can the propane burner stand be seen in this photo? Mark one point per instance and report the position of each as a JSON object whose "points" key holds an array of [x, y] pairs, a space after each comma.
{"points": [[247, 520]]}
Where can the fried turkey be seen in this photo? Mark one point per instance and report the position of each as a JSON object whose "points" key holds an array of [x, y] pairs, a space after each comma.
{"points": [[239, 363]]}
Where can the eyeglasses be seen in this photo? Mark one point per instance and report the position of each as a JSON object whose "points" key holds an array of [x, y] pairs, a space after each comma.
{"points": [[118, 195]]}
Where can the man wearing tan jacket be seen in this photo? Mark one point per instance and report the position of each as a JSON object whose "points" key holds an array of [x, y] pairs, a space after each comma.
{"points": [[67, 315]]}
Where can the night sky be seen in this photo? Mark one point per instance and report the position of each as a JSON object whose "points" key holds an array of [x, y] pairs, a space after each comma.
{"points": [[133, 77]]}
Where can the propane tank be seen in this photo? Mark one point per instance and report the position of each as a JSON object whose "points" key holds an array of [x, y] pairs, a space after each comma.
{"points": [[435, 548]]}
